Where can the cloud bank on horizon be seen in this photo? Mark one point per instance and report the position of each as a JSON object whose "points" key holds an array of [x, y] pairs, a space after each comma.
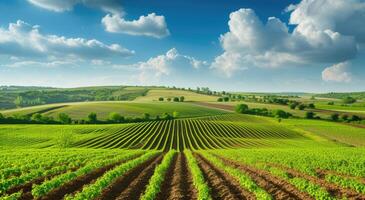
{"points": [[329, 34]]}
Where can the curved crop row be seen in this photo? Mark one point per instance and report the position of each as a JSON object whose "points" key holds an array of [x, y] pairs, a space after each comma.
{"points": [[195, 134]]}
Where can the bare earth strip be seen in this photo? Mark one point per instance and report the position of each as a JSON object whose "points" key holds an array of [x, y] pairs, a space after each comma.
{"points": [[222, 185], [178, 182], [275, 186], [132, 184]]}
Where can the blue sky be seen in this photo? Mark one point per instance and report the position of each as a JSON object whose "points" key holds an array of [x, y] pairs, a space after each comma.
{"points": [[265, 45]]}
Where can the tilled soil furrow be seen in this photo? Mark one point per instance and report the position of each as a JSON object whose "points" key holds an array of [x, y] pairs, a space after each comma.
{"points": [[222, 185], [132, 184], [335, 190], [322, 174], [178, 183], [275, 186], [26, 188], [77, 184]]}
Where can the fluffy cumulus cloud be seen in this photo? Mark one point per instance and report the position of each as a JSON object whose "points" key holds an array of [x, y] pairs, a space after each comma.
{"points": [[337, 73], [170, 64], [326, 31], [24, 40], [113, 6], [150, 25]]}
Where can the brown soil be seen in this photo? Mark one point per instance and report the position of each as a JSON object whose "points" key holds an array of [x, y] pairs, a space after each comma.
{"points": [[132, 184], [218, 106], [222, 185], [322, 173], [178, 183], [27, 187], [78, 183], [275, 186], [335, 190]]}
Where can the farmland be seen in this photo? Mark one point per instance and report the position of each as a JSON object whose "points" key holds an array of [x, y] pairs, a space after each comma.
{"points": [[207, 152]]}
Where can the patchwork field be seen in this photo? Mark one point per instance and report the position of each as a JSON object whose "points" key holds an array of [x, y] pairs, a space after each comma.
{"points": [[206, 153]]}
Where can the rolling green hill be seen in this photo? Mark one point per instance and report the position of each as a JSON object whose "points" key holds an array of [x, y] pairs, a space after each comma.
{"points": [[127, 109]]}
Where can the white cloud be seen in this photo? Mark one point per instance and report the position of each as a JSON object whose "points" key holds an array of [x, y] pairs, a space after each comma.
{"points": [[30, 63], [170, 64], [100, 62], [337, 73], [320, 36], [113, 6], [151, 25], [24, 40]]}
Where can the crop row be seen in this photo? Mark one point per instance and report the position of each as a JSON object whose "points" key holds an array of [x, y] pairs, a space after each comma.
{"points": [[192, 134]]}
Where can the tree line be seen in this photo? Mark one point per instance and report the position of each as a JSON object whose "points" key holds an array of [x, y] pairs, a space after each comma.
{"points": [[92, 118]]}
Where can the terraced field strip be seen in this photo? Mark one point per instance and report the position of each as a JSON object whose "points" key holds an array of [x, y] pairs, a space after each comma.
{"points": [[195, 134]]}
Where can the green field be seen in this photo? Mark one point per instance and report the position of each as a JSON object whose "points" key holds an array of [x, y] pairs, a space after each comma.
{"points": [[128, 109], [207, 152], [155, 94]]}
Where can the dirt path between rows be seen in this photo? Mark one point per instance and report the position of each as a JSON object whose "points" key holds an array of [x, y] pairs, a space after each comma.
{"points": [[27, 187], [275, 186], [132, 184], [335, 190], [322, 173], [222, 185], [78, 183], [178, 183]]}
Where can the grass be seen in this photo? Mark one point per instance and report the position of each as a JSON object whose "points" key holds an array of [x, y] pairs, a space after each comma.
{"points": [[214, 132], [341, 133], [128, 109], [155, 94]]}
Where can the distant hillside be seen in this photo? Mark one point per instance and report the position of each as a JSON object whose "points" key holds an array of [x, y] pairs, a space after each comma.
{"points": [[18, 96], [339, 95]]}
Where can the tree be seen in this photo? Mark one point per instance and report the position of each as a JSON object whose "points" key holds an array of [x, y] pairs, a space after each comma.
{"points": [[309, 115], [175, 114], [146, 116], [18, 101], [37, 117], [182, 99], [334, 117], [281, 114], [116, 117], [220, 99], [311, 106], [64, 118], [355, 118], [168, 99], [1, 117], [160, 99], [166, 116], [241, 108], [349, 100], [293, 106], [176, 99], [225, 99], [92, 118], [331, 103], [301, 107], [344, 117]]}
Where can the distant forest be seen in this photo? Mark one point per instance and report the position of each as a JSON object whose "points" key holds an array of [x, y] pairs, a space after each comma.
{"points": [[17, 96]]}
